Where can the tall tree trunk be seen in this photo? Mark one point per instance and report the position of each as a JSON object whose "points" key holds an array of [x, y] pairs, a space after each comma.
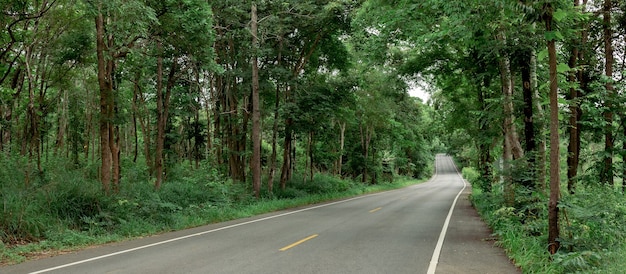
{"points": [[512, 148], [342, 141], [573, 148], [540, 165], [105, 69], [272, 168], [529, 121], [607, 172], [623, 118], [163, 103], [256, 109], [510, 131], [286, 170], [160, 139], [310, 154], [484, 151], [135, 130], [285, 173], [553, 209]]}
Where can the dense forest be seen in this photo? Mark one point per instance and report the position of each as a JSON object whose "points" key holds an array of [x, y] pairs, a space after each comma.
{"points": [[137, 116]]}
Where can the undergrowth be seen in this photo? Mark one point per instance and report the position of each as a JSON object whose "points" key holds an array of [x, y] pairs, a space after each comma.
{"points": [[68, 210], [591, 222]]}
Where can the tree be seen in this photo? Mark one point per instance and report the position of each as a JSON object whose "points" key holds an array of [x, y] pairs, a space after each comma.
{"points": [[256, 111], [553, 210], [607, 174], [117, 31]]}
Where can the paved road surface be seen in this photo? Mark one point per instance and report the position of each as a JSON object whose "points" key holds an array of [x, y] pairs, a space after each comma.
{"points": [[400, 231]]}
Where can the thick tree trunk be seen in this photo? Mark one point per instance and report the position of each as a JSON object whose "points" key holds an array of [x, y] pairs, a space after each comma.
{"points": [[256, 110], [553, 209], [105, 69]]}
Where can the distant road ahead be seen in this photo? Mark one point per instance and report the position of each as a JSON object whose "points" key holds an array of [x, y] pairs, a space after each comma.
{"points": [[391, 232]]}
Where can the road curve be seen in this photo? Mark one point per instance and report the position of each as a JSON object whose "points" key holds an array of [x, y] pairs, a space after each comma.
{"points": [[396, 231]]}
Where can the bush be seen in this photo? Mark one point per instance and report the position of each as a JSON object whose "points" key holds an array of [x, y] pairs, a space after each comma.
{"points": [[470, 174]]}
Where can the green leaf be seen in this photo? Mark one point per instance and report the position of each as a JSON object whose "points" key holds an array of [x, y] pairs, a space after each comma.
{"points": [[553, 35], [559, 15], [562, 68], [542, 54]]}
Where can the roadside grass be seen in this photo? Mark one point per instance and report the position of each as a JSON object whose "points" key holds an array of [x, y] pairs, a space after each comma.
{"points": [[592, 236], [57, 216]]}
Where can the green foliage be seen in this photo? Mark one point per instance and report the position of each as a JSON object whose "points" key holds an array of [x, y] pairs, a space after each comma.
{"points": [[321, 184], [592, 230], [591, 235], [71, 211], [471, 175]]}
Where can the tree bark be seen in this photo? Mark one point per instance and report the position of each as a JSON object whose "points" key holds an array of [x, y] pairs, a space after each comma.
{"points": [[105, 69], [256, 109], [512, 149], [529, 121], [573, 148], [163, 104], [158, 157], [342, 141], [484, 150], [607, 172], [553, 209]]}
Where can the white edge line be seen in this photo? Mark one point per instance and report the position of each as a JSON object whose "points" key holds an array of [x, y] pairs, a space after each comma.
{"points": [[435, 259], [196, 234]]}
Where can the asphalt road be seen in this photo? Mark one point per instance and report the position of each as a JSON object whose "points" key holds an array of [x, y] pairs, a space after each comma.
{"points": [[400, 231]]}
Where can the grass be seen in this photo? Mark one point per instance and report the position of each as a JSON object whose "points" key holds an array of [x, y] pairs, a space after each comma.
{"points": [[54, 217], [591, 222]]}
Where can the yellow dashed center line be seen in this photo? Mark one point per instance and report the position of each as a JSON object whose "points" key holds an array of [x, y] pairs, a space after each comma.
{"points": [[375, 209], [298, 242]]}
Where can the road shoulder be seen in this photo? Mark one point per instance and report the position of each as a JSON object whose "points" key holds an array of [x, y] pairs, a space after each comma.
{"points": [[469, 246]]}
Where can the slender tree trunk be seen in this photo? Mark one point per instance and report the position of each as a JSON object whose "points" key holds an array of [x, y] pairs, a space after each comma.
{"points": [[510, 131], [163, 102], [272, 168], [342, 140], [484, 150], [286, 170], [256, 109], [286, 167], [623, 118], [540, 123], [553, 209], [529, 122], [512, 148], [114, 139], [135, 110], [160, 139], [573, 148], [310, 145], [607, 172]]}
